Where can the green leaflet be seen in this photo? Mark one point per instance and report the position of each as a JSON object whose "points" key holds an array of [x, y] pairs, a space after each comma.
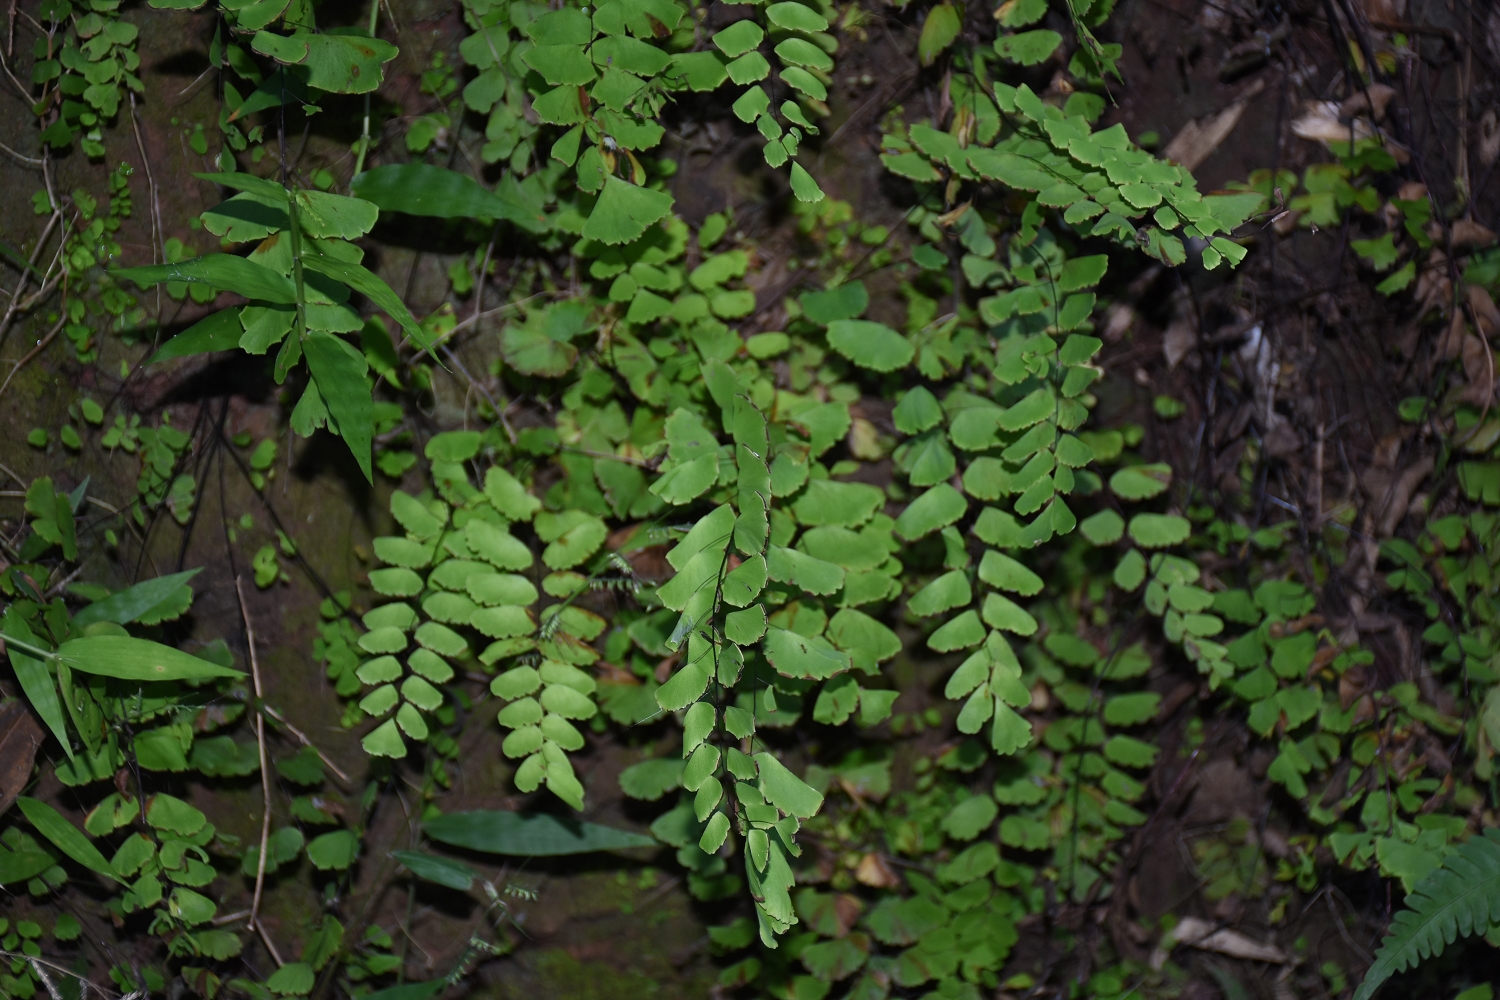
{"points": [[800, 656], [938, 32], [870, 345], [337, 63], [623, 212]]}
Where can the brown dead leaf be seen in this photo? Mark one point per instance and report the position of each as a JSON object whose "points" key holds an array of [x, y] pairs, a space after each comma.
{"points": [[846, 910], [1181, 337], [1479, 368], [1198, 139], [1434, 289], [664, 668], [1486, 314], [1468, 233], [1385, 11], [1199, 933], [1320, 122], [1451, 343], [1282, 441], [1489, 138], [1118, 319], [1390, 492], [875, 871], [20, 735], [1412, 191], [609, 673], [1376, 97]]}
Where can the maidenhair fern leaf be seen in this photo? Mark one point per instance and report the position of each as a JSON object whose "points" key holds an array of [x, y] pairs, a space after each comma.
{"points": [[1459, 899]]}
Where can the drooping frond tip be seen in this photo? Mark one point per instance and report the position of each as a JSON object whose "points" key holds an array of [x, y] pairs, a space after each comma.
{"points": [[1459, 899]]}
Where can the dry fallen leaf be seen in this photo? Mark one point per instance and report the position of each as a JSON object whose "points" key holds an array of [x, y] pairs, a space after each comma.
{"points": [[1320, 122], [1486, 314], [1198, 139], [1489, 137], [1376, 96], [874, 871], [20, 735], [1199, 933], [1468, 233], [1118, 319], [1180, 338]]}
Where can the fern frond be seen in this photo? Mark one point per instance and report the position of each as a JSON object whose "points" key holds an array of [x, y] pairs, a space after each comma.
{"points": [[1459, 899]]}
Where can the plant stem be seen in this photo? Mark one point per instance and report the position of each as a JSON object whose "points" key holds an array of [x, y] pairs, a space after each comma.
{"points": [[363, 146], [265, 778]]}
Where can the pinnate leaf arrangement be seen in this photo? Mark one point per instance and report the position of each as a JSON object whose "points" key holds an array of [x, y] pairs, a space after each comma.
{"points": [[694, 536]]}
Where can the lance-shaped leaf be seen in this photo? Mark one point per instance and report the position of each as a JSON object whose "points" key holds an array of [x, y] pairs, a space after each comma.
{"points": [[442, 871], [128, 605], [223, 271], [423, 189], [220, 331], [37, 683], [339, 371], [368, 284], [55, 827], [127, 658], [495, 831]]}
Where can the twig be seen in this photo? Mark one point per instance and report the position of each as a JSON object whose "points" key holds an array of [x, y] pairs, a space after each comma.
{"points": [[36, 252], [265, 779], [41, 974], [499, 410], [306, 742], [29, 161], [41, 345], [156, 228]]}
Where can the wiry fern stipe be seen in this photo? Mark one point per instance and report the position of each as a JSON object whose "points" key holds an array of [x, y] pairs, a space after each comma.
{"points": [[1459, 899]]}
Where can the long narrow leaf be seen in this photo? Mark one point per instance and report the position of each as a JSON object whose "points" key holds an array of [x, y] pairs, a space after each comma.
{"points": [[222, 271], [367, 283], [37, 684], [443, 871], [496, 831], [241, 181], [127, 658], [218, 332], [128, 605], [339, 371], [55, 827], [409, 991], [423, 189]]}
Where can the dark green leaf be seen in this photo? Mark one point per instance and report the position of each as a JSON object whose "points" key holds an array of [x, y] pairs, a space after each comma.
{"points": [[68, 838], [339, 371], [223, 271], [515, 834], [443, 871], [128, 605], [220, 331], [128, 658]]}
